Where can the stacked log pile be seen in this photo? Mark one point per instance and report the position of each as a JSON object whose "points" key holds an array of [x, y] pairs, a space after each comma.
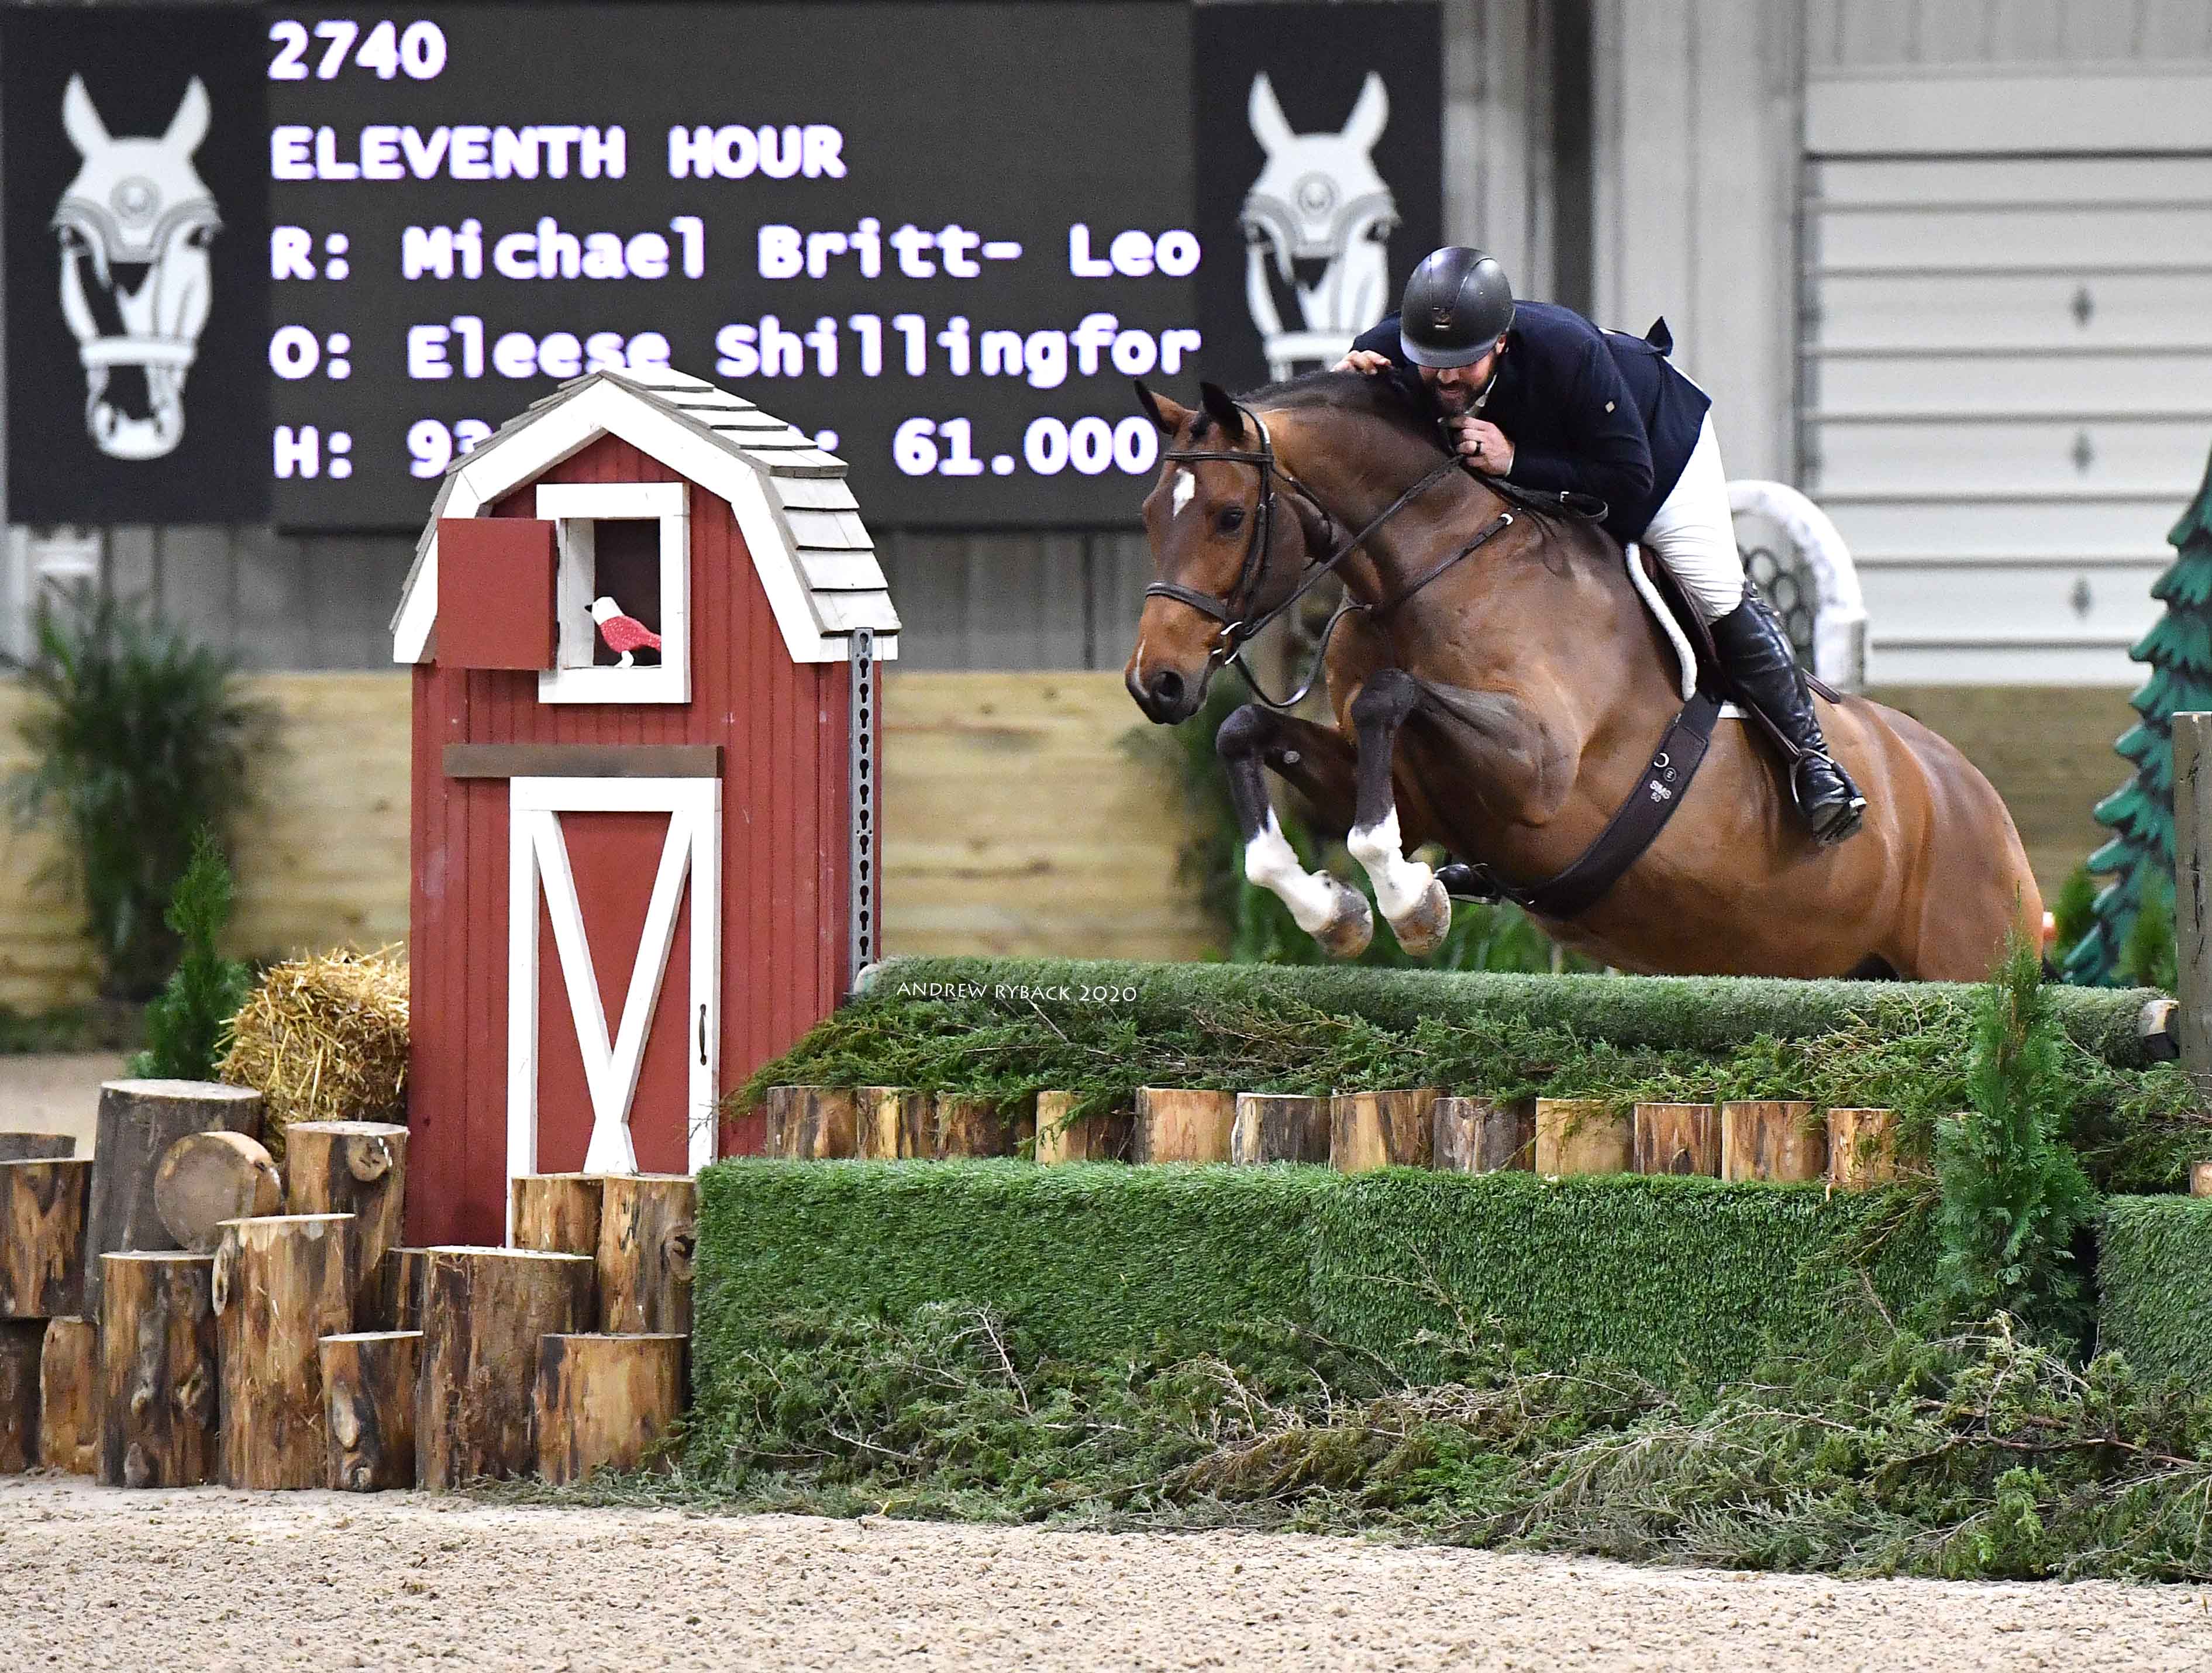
{"points": [[182, 1309]]}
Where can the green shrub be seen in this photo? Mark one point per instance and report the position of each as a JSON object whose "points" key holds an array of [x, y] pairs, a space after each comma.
{"points": [[2155, 1284], [138, 739], [2013, 1193], [188, 1024]]}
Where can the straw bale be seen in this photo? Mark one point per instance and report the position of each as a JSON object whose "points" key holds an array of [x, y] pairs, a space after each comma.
{"points": [[324, 1038]]}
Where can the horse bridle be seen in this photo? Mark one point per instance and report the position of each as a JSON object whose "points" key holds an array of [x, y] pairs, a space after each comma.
{"points": [[1228, 608]]}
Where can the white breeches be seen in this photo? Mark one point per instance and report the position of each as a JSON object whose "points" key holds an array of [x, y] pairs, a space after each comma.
{"points": [[1694, 533]]}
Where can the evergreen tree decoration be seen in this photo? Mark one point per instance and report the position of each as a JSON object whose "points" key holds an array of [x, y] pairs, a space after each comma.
{"points": [[2014, 1192], [187, 1021], [2140, 814]]}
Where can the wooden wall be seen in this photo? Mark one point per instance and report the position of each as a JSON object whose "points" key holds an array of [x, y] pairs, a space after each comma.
{"points": [[323, 860]]}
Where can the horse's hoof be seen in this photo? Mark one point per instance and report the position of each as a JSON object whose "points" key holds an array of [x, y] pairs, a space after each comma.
{"points": [[1422, 930], [1350, 927]]}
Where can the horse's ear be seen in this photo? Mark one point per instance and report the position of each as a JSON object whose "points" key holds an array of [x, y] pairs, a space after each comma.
{"points": [[1222, 408], [1170, 416]]}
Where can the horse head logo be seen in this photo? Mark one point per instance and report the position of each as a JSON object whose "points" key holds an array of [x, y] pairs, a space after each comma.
{"points": [[135, 226], [1320, 217]]}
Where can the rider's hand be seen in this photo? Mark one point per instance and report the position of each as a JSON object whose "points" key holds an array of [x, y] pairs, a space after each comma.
{"points": [[1363, 360], [1484, 445]]}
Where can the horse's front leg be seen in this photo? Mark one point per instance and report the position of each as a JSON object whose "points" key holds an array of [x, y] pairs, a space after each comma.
{"points": [[1408, 891], [1319, 762]]}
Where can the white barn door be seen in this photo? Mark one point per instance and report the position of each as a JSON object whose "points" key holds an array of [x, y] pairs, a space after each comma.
{"points": [[612, 1047]]}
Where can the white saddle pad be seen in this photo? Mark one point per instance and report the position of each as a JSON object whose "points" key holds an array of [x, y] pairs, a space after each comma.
{"points": [[1685, 659]]}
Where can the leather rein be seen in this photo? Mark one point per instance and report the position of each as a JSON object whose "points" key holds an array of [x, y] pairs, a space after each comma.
{"points": [[1238, 629]]}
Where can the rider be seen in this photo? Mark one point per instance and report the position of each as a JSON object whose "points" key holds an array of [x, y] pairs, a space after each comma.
{"points": [[1538, 395]]}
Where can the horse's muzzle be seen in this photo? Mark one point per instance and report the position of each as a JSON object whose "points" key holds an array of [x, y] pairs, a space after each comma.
{"points": [[1165, 695]]}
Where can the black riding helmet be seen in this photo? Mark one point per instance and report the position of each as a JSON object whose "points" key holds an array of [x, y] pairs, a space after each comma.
{"points": [[1457, 304]]}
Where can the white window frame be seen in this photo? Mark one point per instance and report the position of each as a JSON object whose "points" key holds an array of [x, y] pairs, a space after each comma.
{"points": [[537, 868], [571, 508]]}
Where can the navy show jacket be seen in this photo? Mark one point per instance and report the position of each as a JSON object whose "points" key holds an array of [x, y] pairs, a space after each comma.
{"points": [[1597, 411]]}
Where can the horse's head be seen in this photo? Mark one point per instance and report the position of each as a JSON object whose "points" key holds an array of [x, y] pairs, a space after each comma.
{"points": [[135, 226], [1229, 541], [1321, 217]]}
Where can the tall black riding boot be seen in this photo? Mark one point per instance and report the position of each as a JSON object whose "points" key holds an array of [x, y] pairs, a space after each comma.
{"points": [[1757, 658]]}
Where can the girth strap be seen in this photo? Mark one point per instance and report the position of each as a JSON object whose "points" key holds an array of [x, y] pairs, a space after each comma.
{"points": [[1635, 825]]}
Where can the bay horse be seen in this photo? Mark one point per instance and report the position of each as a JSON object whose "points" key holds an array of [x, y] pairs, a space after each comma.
{"points": [[1506, 703]]}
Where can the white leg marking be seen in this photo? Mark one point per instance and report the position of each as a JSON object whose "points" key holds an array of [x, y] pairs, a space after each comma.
{"points": [[1273, 863], [1399, 882], [1186, 488]]}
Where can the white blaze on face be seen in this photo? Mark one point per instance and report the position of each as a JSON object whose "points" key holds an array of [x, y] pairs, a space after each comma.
{"points": [[1186, 488]]}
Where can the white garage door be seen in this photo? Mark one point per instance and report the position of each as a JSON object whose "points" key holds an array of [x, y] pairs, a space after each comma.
{"points": [[2005, 398]]}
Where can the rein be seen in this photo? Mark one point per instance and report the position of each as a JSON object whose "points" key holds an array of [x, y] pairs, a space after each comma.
{"points": [[1237, 630]]}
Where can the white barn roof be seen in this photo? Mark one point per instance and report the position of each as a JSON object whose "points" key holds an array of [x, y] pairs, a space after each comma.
{"points": [[814, 556]]}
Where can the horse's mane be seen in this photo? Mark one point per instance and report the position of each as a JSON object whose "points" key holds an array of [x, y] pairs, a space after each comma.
{"points": [[1378, 396]]}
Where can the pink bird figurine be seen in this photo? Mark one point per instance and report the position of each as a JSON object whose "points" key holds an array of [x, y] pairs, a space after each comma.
{"points": [[625, 635]]}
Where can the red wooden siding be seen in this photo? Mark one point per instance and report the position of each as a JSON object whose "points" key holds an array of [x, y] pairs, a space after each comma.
{"points": [[783, 729]]}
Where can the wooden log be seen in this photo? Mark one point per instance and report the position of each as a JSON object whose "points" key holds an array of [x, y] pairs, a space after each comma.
{"points": [[966, 1126], [891, 1122], [1581, 1135], [484, 1311], [21, 1341], [812, 1123], [139, 1120], [69, 1397], [2200, 1179], [1280, 1127], [1103, 1137], [399, 1290], [1766, 1139], [1382, 1129], [602, 1402], [368, 1408], [558, 1212], [283, 1282], [1179, 1124], [1481, 1135], [37, 1147], [158, 1369], [647, 1231], [206, 1178], [351, 1167], [1862, 1148], [42, 1208], [1678, 1138]]}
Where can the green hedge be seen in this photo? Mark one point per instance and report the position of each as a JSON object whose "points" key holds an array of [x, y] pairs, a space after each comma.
{"points": [[2155, 1284], [1696, 1013], [1684, 1280], [1091, 1260]]}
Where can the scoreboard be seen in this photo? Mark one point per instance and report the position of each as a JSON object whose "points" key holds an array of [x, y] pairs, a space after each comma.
{"points": [[942, 238]]}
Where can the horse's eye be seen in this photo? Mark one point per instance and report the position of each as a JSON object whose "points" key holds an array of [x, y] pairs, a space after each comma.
{"points": [[1229, 520]]}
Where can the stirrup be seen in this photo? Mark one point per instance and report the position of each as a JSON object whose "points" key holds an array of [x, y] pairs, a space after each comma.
{"points": [[1842, 820]]}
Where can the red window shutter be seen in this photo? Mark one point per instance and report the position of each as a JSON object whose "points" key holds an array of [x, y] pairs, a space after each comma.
{"points": [[495, 592]]}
